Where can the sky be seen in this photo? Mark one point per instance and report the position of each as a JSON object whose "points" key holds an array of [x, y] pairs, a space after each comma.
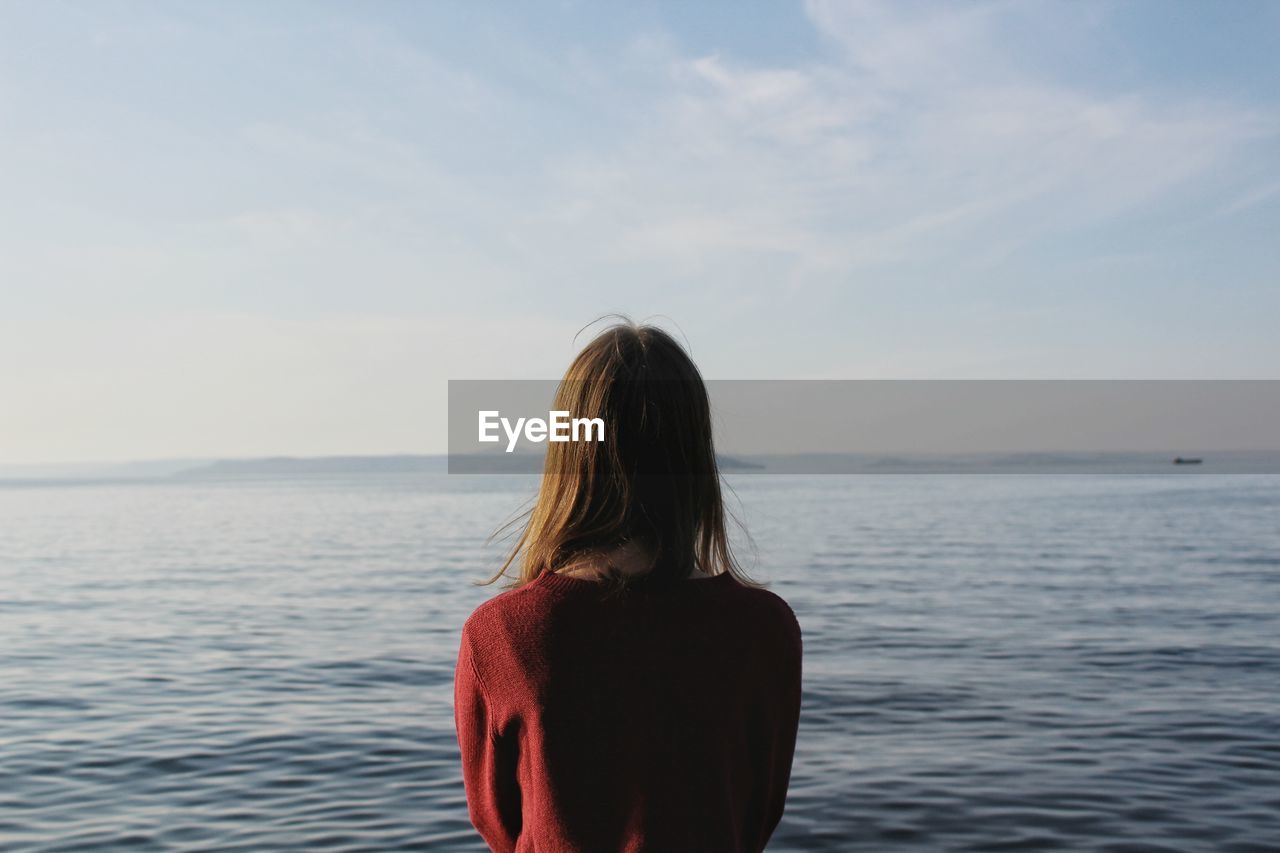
{"points": [[244, 229]]}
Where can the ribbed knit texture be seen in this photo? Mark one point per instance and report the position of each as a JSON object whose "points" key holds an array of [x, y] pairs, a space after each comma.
{"points": [[662, 720]]}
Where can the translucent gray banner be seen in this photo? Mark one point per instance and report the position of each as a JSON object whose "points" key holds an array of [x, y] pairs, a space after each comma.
{"points": [[915, 426]]}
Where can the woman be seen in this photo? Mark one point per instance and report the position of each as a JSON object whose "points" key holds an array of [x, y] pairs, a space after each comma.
{"points": [[633, 691]]}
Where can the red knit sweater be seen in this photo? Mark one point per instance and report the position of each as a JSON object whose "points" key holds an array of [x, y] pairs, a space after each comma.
{"points": [[660, 720]]}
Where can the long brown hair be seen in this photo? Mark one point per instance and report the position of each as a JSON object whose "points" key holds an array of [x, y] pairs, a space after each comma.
{"points": [[652, 482]]}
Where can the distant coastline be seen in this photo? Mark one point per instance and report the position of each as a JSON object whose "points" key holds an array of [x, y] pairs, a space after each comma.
{"points": [[520, 463], [1147, 462]]}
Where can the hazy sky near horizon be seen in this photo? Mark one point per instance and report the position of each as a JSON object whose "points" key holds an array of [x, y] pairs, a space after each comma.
{"points": [[238, 228]]}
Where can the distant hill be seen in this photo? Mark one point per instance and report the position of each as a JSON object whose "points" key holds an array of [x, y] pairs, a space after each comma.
{"points": [[92, 471], [734, 463], [277, 466]]}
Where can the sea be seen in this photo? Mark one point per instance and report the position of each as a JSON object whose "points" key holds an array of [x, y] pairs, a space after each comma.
{"points": [[992, 662]]}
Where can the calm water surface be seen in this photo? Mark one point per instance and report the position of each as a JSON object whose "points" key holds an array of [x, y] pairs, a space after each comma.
{"points": [[991, 663]]}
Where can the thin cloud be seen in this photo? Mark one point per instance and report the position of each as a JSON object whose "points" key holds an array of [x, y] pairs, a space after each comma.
{"points": [[919, 137]]}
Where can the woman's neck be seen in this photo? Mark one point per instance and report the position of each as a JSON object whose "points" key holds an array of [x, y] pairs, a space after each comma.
{"points": [[628, 559]]}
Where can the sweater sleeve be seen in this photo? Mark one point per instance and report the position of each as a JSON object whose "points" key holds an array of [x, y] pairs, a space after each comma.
{"points": [[786, 722], [488, 759]]}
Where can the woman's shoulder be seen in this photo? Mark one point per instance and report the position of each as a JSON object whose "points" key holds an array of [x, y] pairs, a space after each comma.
{"points": [[771, 606], [511, 605]]}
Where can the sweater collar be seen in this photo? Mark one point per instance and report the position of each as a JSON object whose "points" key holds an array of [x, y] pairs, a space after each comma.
{"points": [[554, 580]]}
